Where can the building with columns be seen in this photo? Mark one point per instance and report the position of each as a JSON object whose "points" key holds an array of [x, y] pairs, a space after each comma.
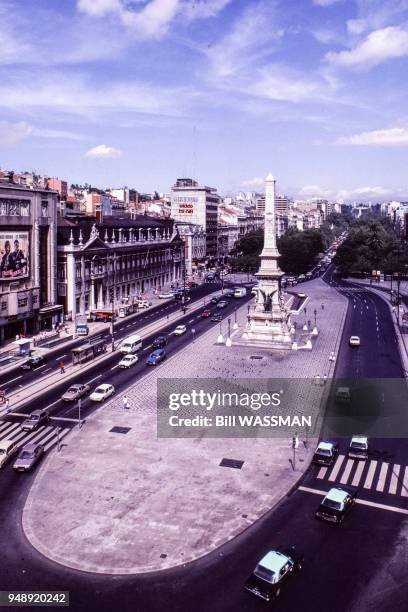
{"points": [[28, 255], [194, 239], [122, 257]]}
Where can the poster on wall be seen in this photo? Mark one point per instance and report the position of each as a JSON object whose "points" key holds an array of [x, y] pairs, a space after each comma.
{"points": [[14, 255]]}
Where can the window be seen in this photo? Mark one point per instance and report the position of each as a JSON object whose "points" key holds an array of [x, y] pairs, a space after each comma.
{"points": [[22, 302], [4, 305]]}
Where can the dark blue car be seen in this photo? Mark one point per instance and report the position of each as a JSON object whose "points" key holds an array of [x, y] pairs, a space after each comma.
{"points": [[156, 357]]}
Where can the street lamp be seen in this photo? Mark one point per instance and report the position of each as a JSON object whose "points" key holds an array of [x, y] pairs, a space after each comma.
{"points": [[228, 341], [220, 339], [79, 413], [235, 326]]}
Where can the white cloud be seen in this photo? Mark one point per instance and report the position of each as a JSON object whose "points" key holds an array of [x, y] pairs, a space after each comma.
{"points": [[380, 45], [99, 8], [325, 2], [257, 181], [279, 83], [13, 133], [104, 152], [364, 193], [396, 136], [314, 191], [202, 9], [153, 20]]}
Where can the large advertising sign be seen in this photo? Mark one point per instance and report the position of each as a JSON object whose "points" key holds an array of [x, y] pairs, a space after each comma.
{"points": [[185, 205], [14, 255]]}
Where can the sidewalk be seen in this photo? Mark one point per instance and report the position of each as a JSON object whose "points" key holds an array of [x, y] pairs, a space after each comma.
{"points": [[130, 502]]}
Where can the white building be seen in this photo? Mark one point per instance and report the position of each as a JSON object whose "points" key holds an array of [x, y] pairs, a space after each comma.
{"points": [[194, 239], [198, 204]]}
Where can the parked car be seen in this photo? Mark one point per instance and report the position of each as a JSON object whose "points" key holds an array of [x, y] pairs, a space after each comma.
{"points": [[102, 392], [336, 504], [206, 313], [143, 304], [28, 456], [354, 341], [217, 317], [273, 572], [8, 448], [166, 295], [358, 448], [156, 357], [325, 453], [33, 362], [180, 330], [222, 304], [128, 361], [75, 392], [35, 420], [301, 278], [159, 342]]}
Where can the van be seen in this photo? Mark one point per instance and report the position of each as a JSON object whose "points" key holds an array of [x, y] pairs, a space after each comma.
{"points": [[132, 344], [239, 292]]}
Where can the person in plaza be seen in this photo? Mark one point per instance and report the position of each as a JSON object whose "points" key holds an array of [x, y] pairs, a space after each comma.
{"points": [[126, 402], [62, 367]]}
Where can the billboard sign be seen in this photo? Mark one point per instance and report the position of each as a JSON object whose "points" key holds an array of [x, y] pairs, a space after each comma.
{"points": [[14, 255]]}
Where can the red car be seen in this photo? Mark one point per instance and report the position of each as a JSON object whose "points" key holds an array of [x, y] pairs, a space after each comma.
{"points": [[206, 313]]}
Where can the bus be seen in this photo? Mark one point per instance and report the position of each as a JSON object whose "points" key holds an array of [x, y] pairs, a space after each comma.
{"points": [[240, 292], [88, 351]]}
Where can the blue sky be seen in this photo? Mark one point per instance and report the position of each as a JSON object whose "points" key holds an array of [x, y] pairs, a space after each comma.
{"points": [[141, 92]]}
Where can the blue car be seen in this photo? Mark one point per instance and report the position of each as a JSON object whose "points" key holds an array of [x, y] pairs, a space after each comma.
{"points": [[156, 357]]}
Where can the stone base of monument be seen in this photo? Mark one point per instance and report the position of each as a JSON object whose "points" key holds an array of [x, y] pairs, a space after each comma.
{"points": [[265, 339]]}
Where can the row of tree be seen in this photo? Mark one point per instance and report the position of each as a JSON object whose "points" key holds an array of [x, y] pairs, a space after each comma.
{"points": [[372, 244], [298, 249]]}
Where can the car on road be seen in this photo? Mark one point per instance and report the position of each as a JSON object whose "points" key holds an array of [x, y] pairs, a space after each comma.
{"points": [[143, 304], [128, 361], [156, 357], [217, 317], [222, 304], [34, 362], [343, 395], [180, 330], [75, 392], [301, 295], [336, 504], [273, 572], [159, 342], [102, 392], [326, 453], [354, 341], [8, 449], [28, 456], [166, 295], [210, 276], [206, 313], [358, 448], [35, 420], [215, 299], [301, 278]]}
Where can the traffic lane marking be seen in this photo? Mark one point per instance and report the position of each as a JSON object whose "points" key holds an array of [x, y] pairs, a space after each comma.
{"points": [[12, 380], [92, 379], [61, 357], [361, 502]]}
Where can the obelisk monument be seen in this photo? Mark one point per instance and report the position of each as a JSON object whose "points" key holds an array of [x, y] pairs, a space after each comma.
{"points": [[268, 318]]}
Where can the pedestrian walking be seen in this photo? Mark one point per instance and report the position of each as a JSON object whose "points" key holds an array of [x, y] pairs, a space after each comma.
{"points": [[7, 405], [126, 402], [62, 367]]}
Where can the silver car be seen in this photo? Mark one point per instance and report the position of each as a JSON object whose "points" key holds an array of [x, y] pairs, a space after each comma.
{"points": [[28, 456], [75, 392]]}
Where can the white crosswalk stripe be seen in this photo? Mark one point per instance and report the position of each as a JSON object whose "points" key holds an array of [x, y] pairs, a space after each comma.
{"points": [[394, 479], [382, 477], [346, 473], [44, 435], [336, 468], [370, 475], [358, 473], [404, 490]]}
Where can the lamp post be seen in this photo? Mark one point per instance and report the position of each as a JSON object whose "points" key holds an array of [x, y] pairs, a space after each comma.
{"points": [[228, 341], [220, 339], [235, 326], [315, 317], [79, 413], [113, 302]]}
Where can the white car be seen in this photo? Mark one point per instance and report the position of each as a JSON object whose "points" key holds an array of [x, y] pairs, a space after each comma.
{"points": [[167, 295], [8, 448], [128, 361], [358, 448], [180, 330], [143, 304], [102, 392], [354, 341]]}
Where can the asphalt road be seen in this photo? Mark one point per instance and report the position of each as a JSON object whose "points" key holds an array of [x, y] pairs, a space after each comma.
{"points": [[359, 566], [123, 327]]}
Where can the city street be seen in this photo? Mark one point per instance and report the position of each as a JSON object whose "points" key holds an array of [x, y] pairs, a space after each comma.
{"points": [[340, 562]]}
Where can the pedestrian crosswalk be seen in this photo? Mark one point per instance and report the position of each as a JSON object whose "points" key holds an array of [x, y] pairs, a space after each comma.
{"points": [[374, 475], [46, 434]]}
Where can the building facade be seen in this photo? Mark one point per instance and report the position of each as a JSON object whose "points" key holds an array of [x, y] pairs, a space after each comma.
{"points": [[194, 239], [118, 259], [28, 259], [198, 204]]}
